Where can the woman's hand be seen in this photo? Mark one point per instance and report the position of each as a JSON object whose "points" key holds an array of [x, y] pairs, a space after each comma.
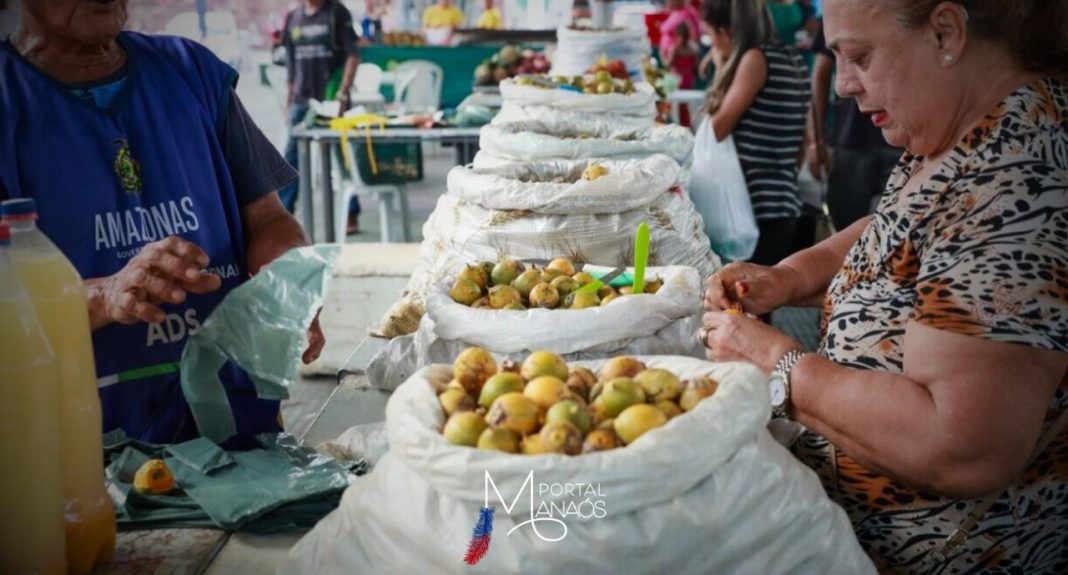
{"points": [[737, 337], [757, 289], [165, 271], [702, 68], [816, 158], [316, 340]]}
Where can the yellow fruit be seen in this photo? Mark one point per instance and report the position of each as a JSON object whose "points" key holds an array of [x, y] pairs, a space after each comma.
{"points": [[542, 363], [506, 272], [572, 412], [659, 384], [564, 285], [594, 171], [583, 278], [514, 412], [626, 290], [561, 437], [482, 303], [502, 296], [475, 274], [154, 477], [580, 381], [472, 368], [548, 275], [544, 295], [465, 291], [636, 420], [654, 286], [454, 400], [670, 408], [623, 366], [611, 298], [546, 390], [499, 439], [600, 440], [464, 428], [696, 390], [606, 291], [516, 306], [582, 300], [531, 445], [498, 385], [562, 265], [526, 282]]}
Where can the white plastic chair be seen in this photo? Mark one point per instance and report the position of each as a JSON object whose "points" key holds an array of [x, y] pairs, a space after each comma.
{"points": [[418, 86], [391, 199], [365, 87]]}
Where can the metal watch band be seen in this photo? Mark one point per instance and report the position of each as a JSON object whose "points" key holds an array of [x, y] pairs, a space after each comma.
{"points": [[783, 367]]}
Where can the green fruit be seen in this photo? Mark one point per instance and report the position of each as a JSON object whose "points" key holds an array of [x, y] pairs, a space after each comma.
{"points": [[475, 274], [487, 268], [464, 428], [505, 272], [498, 385], [499, 440], [696, 390], [542, 363], [564, 285], [561, 437], [571, 412], [600, 440], [526, 281], [454, 400], [514, 412], [502, 296], [515, 307], [637, 420], [465, 292], [659, 384], [602, 76], [617, 395], [560, 79], [578, 82], [545, 296]]}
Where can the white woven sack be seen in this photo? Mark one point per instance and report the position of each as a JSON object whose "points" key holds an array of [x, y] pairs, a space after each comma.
{"points": [[578, 50], [578, 140]]}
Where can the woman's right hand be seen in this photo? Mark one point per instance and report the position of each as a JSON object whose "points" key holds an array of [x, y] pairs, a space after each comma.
{"points": [[758, 289], [162, 272]]}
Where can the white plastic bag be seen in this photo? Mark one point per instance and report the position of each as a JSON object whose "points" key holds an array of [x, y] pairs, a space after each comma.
{"points": [[663, 323], [578, 50], [556, 187], [578, 140], [720, 194], [709, 492]]}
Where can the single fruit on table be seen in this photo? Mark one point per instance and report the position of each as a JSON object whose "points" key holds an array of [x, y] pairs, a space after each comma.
{"points": [[465, 292], [622, 366], [548, 275], [545, 391], [498, 385], [606, 291], [562, 265], [600, 440], [487, 269], [514, 412], [572, 412], [695, 390], [154, 477], [475, 274], [561, 437], [580, 381], [454, 400], [502, 296], [531, 445], [542, 363], [505, 272], [609, 299], [659, 384], [498, 439], [515, 307], [564, 285], [526, 281], [594, 171], [582, 300], [463, 428], [636, 420], [670, 408], [472, 368], [617, 395], [545, 296], [583, 278], [482, 303]]}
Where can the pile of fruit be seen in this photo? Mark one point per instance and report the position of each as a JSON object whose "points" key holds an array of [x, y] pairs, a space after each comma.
{"points": [[658, 77], [543, 406], [615, 68], [509, 285], [510, 62], [600, 83], [403, 39]]}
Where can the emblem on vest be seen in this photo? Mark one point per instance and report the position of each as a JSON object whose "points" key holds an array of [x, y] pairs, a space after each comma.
{"points": [[127, 168]]}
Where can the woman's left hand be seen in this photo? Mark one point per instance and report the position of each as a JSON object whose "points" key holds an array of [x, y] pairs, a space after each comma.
{"points": [[730, 336], [316, 341]]}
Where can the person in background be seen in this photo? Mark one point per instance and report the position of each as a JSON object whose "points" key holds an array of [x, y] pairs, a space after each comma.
{"points": [[679, 12], [856, 174], [371, 23], [490, 18], [440, 20], [935, 411], [760, 95], [152, 179], [321, 60], [681, 59]]}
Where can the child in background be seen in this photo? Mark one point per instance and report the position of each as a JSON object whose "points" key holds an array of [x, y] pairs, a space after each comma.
{"points": [[681, 59]]}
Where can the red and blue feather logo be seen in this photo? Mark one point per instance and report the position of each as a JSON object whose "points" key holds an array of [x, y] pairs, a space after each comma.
{"points": [[480, 538]]}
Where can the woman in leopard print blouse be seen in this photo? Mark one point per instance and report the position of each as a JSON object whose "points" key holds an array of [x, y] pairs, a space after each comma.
{"points": [[944, 350]]}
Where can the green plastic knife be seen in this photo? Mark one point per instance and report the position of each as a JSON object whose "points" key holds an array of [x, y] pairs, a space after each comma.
{"points": [[641, 257]]}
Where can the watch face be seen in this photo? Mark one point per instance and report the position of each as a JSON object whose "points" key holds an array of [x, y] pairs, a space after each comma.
{"points": [[778, 390]]}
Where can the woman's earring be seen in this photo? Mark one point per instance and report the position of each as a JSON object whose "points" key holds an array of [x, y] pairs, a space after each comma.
{"points": [[948, 58]]}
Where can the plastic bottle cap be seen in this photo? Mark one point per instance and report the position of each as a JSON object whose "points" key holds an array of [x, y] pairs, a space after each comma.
{"points": [[18, 210], [5, 235]]}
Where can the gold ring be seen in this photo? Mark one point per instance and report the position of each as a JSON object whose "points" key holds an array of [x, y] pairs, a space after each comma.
{"points": [[702, 336]]}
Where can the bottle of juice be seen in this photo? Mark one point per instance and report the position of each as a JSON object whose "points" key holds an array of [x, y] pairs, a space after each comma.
{"points": [[60, 300], [31, 484]]}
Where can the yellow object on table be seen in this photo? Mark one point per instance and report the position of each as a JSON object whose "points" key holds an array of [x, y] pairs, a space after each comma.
{"points": [[345, 125]]}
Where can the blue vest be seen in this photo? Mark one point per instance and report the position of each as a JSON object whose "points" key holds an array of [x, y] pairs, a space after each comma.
{"points": [[109, 182]]}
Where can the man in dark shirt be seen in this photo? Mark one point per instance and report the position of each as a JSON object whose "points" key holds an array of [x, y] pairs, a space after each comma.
{"points": [[862, 159], [321, 60]]}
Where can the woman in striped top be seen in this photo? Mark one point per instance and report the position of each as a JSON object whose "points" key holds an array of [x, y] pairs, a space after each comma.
{"points": [[760, 95]]}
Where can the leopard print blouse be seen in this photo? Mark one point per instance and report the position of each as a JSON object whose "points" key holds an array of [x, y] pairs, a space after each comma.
{"points": [[981, 249]]}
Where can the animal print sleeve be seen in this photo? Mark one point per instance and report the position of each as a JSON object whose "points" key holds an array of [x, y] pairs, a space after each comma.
{"points": [[995, 264]]}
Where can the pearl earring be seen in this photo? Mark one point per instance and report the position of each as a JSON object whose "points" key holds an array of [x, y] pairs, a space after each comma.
{"points": [[948, 58]]}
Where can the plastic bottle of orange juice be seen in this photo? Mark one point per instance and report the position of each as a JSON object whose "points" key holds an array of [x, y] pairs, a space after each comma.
{"points": [[60, 300], [31, 485]]}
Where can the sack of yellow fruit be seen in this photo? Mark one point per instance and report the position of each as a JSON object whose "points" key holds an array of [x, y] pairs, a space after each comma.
{"points": [[709, 491], [532, 102]]}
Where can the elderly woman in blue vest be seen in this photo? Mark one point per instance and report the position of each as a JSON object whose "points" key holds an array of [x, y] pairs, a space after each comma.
{"points": [[149, 175]]}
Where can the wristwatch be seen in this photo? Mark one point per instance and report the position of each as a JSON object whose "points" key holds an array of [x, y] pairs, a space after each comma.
{"points": [[780, 381]]}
